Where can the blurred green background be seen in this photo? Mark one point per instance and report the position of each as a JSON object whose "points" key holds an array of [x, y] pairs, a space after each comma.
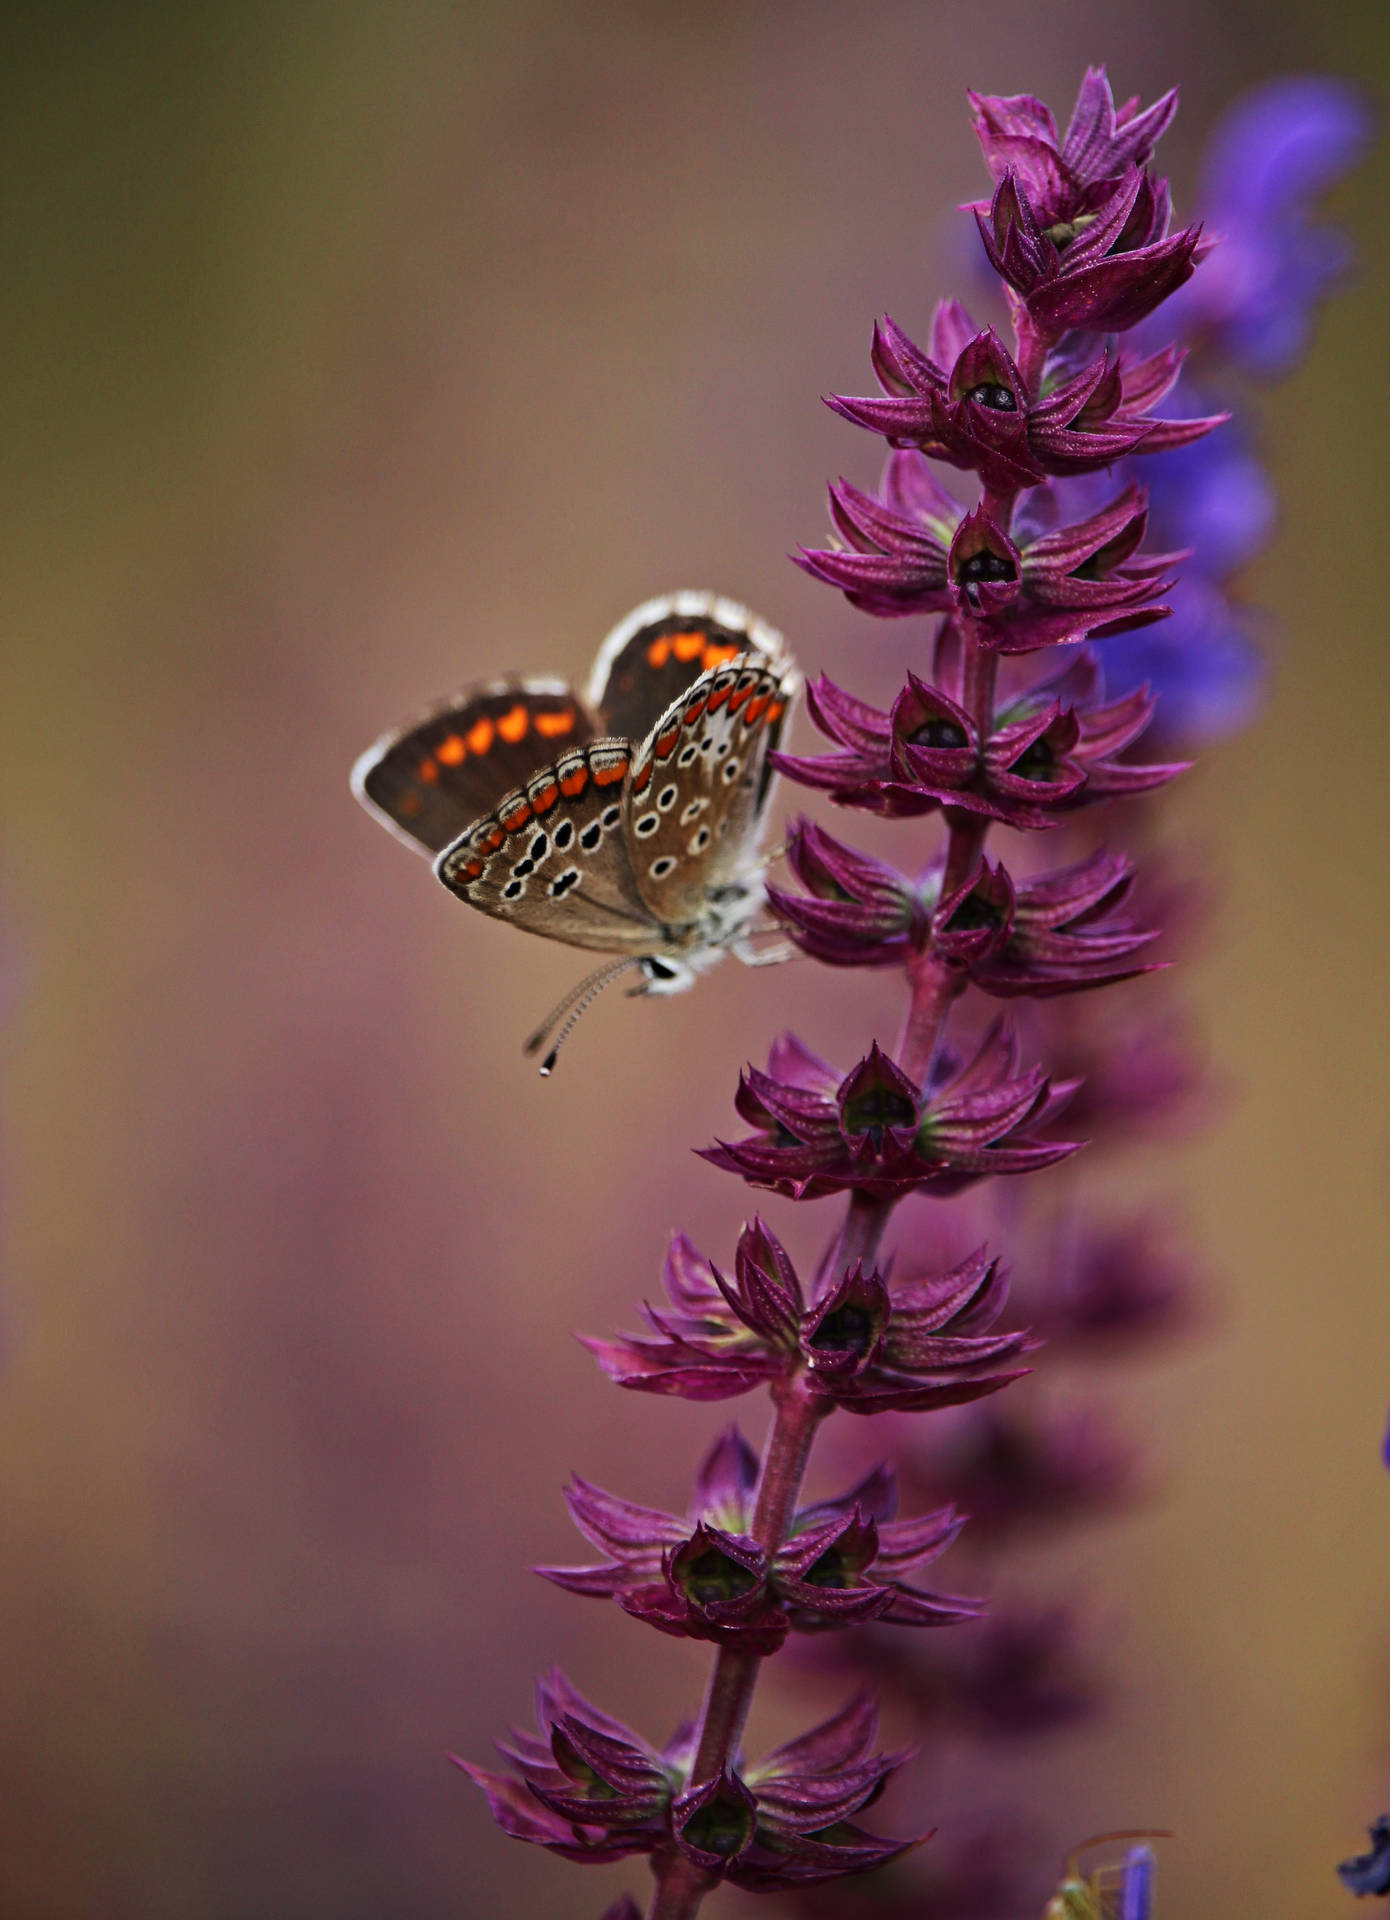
{"points": [[354, 350]]}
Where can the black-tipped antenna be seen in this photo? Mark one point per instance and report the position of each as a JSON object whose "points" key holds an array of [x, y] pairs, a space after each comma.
{"points": [[570, 1008]]}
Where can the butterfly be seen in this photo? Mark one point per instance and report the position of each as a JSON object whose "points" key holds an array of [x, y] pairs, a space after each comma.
{"points": [[627, 821]]}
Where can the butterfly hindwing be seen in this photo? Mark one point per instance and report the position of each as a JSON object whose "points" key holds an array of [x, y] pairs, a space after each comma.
{"points": [[430, 779], [552, 857], [654, 656], [698, 786]]}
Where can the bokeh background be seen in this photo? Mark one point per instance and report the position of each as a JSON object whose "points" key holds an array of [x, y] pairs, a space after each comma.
{"points": [[353, 350]]}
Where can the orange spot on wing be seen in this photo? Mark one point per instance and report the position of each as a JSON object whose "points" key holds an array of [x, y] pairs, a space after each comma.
{"points": [[658, 653], [716, 655], [717, 698], [687, 646], [545, 799], [495, 839], [756, 709], [693, 711], [739, 695], [667, 741], [775, 712], [642, 779], [472, 868], [517, 819], [450, 752], [574, 782], [604, 776], [410, 804], [552, 725], [479, 736], [513, 724], [429, 772]]}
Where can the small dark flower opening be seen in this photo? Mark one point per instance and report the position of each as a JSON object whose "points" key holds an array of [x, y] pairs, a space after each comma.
{"points": [[975, 913], [1037, 762], [939, 734], [991, 394], [829, 1571], [985, 566], [714, 1578], [848, 1329], [721, 1827], [876, 1108]]}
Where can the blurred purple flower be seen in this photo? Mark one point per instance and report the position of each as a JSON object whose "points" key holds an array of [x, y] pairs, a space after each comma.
{"points": [[1279, 148], [1370, 1872]]}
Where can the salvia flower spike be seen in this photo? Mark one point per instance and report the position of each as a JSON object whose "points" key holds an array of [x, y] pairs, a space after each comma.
{"points": [[1050, 553]]}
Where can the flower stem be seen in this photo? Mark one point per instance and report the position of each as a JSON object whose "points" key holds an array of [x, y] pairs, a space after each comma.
{"points": [[680, 1885]]}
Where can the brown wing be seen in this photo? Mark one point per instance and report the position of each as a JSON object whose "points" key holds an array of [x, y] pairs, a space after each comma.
{"points": [[552, 858], [698, 786], [430, 779], [654, 656]]}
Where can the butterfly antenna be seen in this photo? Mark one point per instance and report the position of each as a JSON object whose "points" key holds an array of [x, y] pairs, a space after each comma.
{"points": [[570, 1008]]}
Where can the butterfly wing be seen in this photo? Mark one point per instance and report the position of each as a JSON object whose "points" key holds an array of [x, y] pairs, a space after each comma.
{"points": [[658, 652], [430, 779], [700, 782], [551, 857]]}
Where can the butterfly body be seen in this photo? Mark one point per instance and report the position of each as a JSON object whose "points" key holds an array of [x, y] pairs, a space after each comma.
{"points": [[626, 822]]}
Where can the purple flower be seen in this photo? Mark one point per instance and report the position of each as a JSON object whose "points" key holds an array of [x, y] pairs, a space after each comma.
{"points": [[590, 1789], [1015, 1468], [978, 415], [712, 1581], [869, 1345], [856, 911], [1370, 1872], [1065, 178], [1053, 748], [1116, 1284], [1278, 149], [1022, 1670], [1056, 588], [1060, 933], [1103, 271], [875, 1131]]}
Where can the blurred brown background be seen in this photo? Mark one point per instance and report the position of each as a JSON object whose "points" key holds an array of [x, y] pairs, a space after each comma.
{"points": [[353, 350]]}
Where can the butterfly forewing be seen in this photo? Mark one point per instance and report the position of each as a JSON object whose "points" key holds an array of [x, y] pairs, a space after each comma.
{"points": [[552, 857], [654, 656], [430, 779], [696, 791]]}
